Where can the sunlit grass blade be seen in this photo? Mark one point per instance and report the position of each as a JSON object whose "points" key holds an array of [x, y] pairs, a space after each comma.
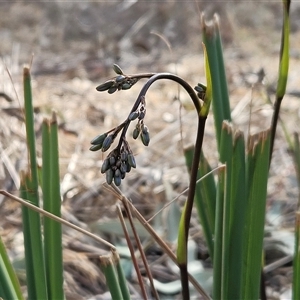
{"points": [[32, 232], [257, 165], [111, 276], [220, 96], [52, 204], [9, 284], [205, 197]]}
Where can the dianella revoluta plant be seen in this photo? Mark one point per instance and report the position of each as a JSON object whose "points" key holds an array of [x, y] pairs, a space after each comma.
{"points": [[232, 207], [120, 160]]}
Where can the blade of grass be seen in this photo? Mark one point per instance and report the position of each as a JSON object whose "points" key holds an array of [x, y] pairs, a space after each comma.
{"points": [[52, 204], [218, 240], [257, 166], [226, 157], [121, 276], [296, 261], [34, 256], [9, 283], [296, 157], [233, 155], [107, 265], [27, 243], [32, 219], [220, 97]]}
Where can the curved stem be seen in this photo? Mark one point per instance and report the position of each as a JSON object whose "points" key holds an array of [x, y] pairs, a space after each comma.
{"points": [[154, 77], [190, 202], [196, 159]]}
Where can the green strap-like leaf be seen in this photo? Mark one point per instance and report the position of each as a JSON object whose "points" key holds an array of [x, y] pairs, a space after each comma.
{"points": [[284, 52], [257, 177], [52, 204], [9, 284], [110, 273], [34, 255]]}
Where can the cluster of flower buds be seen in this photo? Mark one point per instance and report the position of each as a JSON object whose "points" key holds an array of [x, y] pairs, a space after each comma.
{"points": [[120, 82], [140, 129], [117, 164], [120, 160]]}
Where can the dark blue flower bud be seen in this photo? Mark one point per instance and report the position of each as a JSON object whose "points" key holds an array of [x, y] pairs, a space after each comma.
{"points": [[107, 143], [105, 86], [117, 69], [98, 140]]}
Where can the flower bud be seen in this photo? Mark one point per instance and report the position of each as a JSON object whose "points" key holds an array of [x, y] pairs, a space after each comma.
{"points": [[120, 78], [145, 137], [107, 143], [117, 69], [98, 140], [112, 89], [126, 86], [128, 167], [105, 86], [123, 167], [117, 173], [112, 160], [118, 163], [133, 115], [117, 180], [142, 114], [131, 160], [105, 166], [109, 176], [95, 147], [124, 156], [136, 132]]}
